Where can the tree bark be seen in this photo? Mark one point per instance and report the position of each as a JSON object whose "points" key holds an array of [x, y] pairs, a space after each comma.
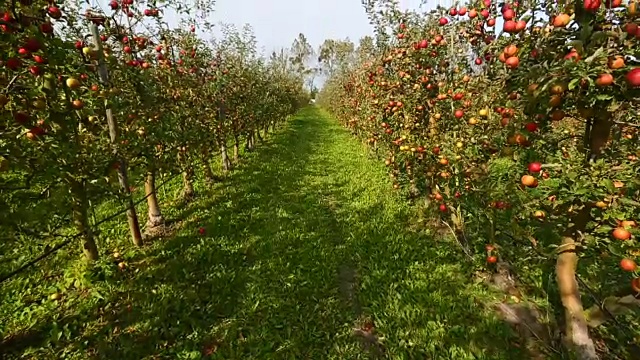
{"points": [[576, 332], [80, 207], [599, 133], [188, 192], [155, 215], [132, 216], [251, 140], [433, 126], [413, 188], [259, 136], [226, 163], [209, 179], [236, 149]]}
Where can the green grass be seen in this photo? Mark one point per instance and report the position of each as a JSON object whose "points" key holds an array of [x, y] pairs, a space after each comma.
{"points": [[304, 242]]}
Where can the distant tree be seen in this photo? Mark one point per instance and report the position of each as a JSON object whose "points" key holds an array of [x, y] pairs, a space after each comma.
{"points": [[335, 54]]}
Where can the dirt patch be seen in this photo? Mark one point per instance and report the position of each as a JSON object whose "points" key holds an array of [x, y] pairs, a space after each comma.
{"points": [[365, 332], [536, 334], [347, 283], [364, 329], [525, 318], [165, 230]]}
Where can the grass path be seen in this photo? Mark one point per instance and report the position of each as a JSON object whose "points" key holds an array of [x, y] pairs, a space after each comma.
{"points": [[304, 243]]}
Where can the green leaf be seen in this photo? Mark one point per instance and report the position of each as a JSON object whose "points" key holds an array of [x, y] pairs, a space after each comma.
{"points": [[573, 83], [608, 184]]}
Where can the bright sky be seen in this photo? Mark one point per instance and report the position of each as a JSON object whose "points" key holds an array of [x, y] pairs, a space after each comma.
{"points": [[278, 22]]}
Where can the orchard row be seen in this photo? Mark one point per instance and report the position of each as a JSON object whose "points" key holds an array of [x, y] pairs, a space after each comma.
{"points": [[524, 138], [91, 100]]}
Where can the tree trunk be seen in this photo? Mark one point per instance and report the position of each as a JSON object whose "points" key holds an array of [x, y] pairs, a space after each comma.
{"points": [[413, 189], [251, 140], [80, 207], [599, 133], [433, 126], [226, 163], [187, 178], [155, 215], [577, 331], [236, 149], [132, 216], [258, 134], [208, 174], [209, 179]]}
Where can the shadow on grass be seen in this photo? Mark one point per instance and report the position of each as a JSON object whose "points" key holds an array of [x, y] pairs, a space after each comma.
{"points": [[304, 243]]}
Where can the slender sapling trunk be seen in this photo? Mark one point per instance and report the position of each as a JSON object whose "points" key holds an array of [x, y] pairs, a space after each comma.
{"points": [[155, 215], [80, 208]]}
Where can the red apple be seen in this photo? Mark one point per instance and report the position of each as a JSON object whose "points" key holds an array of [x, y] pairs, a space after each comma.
{"points": [[54, 12], [613, 3], [39, 59], [592, 5], [572, 55], [21, 117], [32, 45], [535, 167], [633, 77], [509, 26], [13, 63], [509, 14]]}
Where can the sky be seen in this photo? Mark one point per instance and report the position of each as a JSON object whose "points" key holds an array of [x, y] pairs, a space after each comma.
{"points": [[278, 22]]}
